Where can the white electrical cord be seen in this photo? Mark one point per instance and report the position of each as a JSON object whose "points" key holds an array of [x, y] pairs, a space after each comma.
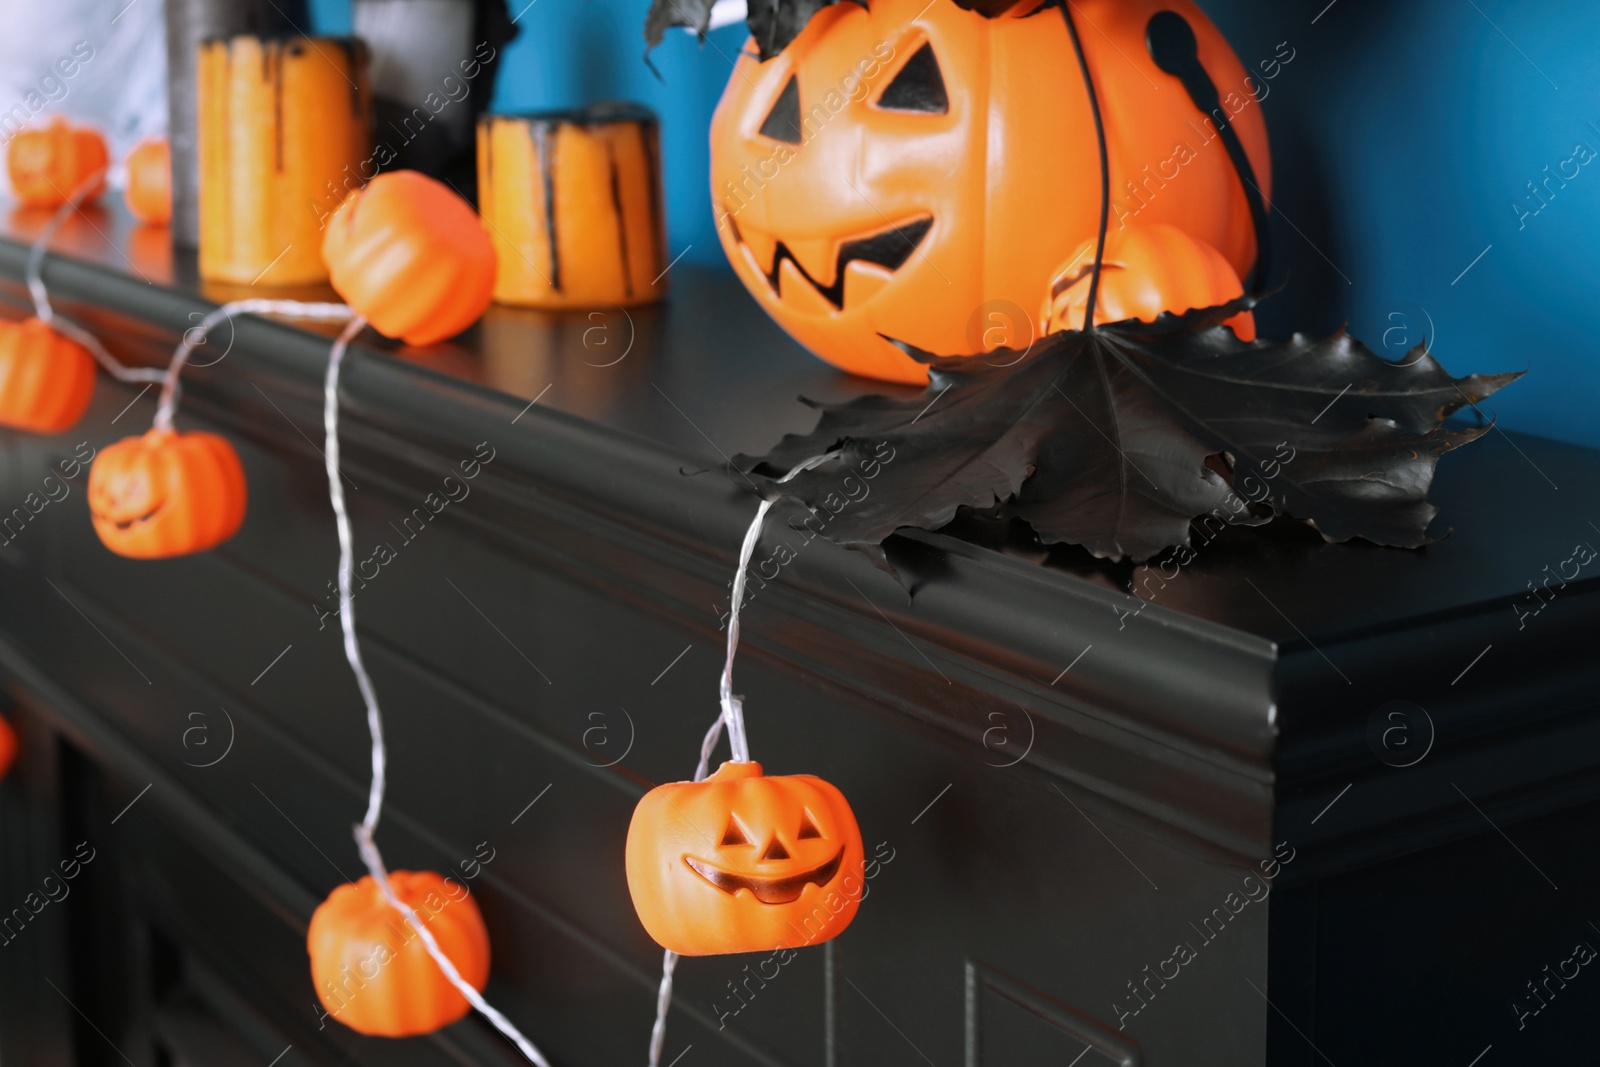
{"points": [[732, 716], [196, 336], [352, 652], [46, 314], [165, 411]]}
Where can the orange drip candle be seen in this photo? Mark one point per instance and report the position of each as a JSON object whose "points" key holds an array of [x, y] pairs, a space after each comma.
{"points": [[282, 121], [572, 200]]}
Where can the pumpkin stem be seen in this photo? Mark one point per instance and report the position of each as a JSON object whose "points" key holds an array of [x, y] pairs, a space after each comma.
{"points": [[1105, 163]]}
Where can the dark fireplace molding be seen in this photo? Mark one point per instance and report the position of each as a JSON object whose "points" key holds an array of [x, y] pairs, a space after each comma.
{"points": [[1071, 780]]}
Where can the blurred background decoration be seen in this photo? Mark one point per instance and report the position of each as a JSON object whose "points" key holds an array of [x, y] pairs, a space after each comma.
{"points": [[1431, 160]]}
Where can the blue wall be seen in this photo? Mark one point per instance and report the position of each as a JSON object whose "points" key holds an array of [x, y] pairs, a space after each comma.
{"points": [[1402, 135], [573, 52]]}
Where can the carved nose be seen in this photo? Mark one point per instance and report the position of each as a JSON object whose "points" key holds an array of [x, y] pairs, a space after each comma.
{"points": [[775, 851]]}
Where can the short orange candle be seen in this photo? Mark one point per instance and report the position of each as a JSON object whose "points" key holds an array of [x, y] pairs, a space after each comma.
{"points": [[282, 120], [572, 200]]}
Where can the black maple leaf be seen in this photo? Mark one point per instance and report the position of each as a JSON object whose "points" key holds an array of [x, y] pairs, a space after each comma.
{"points": [[1119, 437]]}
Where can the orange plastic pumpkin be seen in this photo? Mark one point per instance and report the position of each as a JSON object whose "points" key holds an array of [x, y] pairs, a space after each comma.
{"points": [[370, 968], [149, 191], [8, 746], [1145, 270], [744, 863], [905, 162], [411, 257], [48, 163], [46, 379], [166, 494]]}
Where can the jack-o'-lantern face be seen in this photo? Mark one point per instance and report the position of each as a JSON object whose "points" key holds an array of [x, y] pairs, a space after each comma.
{"points": [[128, 499], [744, 863], [166, 494], [902, 168]]}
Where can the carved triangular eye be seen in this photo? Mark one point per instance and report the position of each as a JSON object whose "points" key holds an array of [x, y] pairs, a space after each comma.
{"points": [[918, 87], [775, 851], [808, 829], [783, 121], [733, 835]]}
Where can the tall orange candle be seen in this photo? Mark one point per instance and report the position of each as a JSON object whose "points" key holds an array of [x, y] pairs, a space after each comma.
{"points": [[282, 121], [572, 200]]}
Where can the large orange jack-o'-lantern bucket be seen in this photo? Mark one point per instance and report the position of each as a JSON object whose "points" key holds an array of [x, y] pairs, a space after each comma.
{"points": [[904, 169]]}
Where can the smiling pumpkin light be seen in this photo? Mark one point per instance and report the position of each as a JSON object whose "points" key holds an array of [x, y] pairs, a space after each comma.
{"points": [[904, 167], [743, 863], [166, 494]]}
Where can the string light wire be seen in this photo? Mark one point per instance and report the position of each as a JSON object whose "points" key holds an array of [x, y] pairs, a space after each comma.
{"points": [[367, 827], [47, 314], [193, 338], [731, 717]]}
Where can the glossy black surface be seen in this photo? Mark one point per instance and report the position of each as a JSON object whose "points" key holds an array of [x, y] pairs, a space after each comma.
{"points": [[1070, 777], [708, 375]]}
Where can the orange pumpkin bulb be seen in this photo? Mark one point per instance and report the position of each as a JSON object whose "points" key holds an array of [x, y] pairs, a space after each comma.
{"points": [[903, 163], [744, 863], [1145, 270], [8, 746], [411, 257], [48, 163], [166, 494], [46, 379], [372, 972], [149, 191]]}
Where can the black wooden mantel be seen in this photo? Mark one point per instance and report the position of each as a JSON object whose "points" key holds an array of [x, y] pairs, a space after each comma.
{"points": [[1072, 781]]}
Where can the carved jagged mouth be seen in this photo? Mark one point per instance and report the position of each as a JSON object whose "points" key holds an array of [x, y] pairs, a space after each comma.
{"points": [[767, 890], [890, 248], [128, 524]]}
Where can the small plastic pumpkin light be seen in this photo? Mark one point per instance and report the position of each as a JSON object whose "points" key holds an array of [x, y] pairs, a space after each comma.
{"points": [[744, 863], [166, 494], [371, 970], [1145, 270], [149, 191], [8, 746], [48, 163], [46, 379], [411, 257]]}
